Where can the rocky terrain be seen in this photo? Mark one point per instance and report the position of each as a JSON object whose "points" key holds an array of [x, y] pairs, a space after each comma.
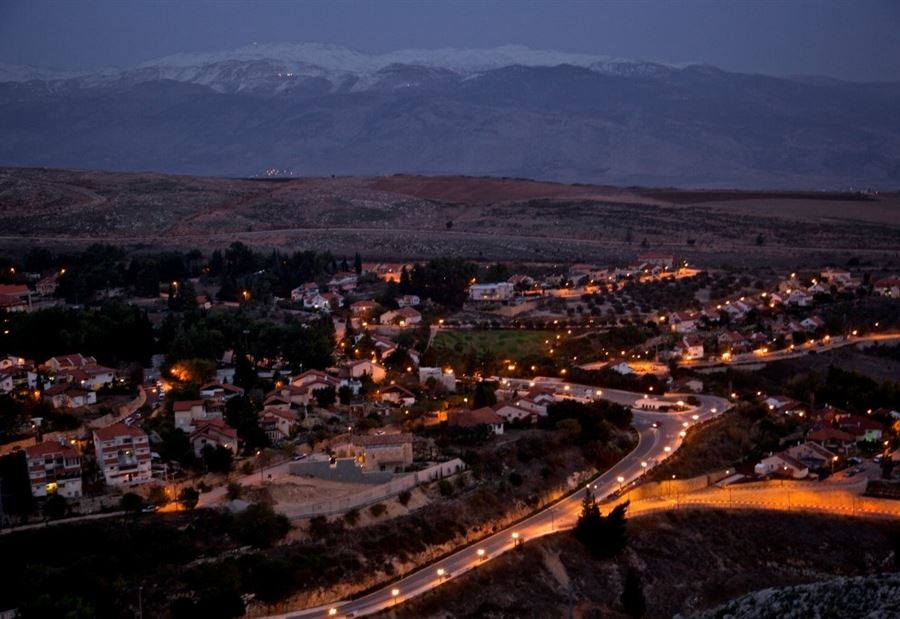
{"points": [[419, 217], [872, 597], [739, 553]]}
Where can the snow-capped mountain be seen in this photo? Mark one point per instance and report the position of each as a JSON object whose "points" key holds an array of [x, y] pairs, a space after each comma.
{"points": [[281, 66], [507, 111]]}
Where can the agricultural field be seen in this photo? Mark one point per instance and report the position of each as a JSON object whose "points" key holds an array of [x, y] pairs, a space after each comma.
{"points": [[504, 344]]}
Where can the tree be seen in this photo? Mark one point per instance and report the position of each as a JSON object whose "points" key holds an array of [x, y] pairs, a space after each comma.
{"points": [[55, 507], [188, 497], [404, 497], [325, 396], [345, 394], [484, 394], [260, 526], [633, 599], [352, 517], [131, 502], [357, 263], [157, 496], [759, 239], [604, 537], [217, 459], [234, 491]]}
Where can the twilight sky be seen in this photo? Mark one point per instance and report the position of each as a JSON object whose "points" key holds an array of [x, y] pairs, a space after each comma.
{"points": [[856, 40]]}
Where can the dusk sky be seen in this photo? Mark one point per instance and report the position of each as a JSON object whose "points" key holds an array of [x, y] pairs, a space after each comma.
{"points": [[851, 40]]}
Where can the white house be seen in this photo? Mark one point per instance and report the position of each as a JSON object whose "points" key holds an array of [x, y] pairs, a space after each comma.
{"points": [[409, 300], [782, 464], [123, 454], [358, 369], [484, 416], [54, 468], [691, 347], [189, 413], [499, 291], [398, 395], [404, 316], [512, 412], [683, 322], [445, 378]]}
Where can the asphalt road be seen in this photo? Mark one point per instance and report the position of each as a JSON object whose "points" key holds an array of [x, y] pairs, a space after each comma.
{"points": [[654, 444]]}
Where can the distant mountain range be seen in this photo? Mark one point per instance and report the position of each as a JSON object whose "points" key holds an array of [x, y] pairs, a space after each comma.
{"points": [[311, 109]]}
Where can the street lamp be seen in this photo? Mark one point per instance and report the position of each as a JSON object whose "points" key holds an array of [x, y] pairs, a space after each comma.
{"points": [[480, 554], [332, 612], [621, 481], [395, 593]]}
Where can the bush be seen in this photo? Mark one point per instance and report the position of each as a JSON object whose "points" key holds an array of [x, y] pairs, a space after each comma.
{"points": [[445, 487], [404, 497], [235, 491], [55, 507], [260, 526], [378, 509], [158, 496], [131, 502], [352, 517], [188, 498]]}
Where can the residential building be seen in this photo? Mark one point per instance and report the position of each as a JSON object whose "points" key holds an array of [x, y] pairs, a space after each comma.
{"points": [[277, 422], [665, 261], [213, 433], [54, 468], [513, 412], [484, 416], [683, 322], [342, 280], [409, 300], [190, 413], [123, 455], [445, 378], [887, 287], [499, 291], [46, 287], [66, 362], [220, 391], [67, 395], [863, 428], [812, 455], [782, 465], [15, 297], [831, 438], [396, 394], [405, 316], [691, 347], [358, 369], [383, 452], [363, 307]]}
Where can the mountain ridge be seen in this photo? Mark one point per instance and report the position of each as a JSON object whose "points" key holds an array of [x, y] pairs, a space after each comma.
{"points": [[511, 111]]}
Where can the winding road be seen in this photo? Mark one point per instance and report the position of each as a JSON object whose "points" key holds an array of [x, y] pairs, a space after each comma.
{"points": [[659, 437]]}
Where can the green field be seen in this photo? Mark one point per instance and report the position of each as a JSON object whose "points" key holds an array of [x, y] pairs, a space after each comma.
{"points": [[506, 344]]}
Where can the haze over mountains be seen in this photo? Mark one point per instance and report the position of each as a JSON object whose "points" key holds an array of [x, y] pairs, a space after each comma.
{"points": [[319, 109]]}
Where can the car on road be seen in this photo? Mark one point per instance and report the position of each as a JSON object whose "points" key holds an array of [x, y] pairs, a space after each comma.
{"points": [[299, 457]]}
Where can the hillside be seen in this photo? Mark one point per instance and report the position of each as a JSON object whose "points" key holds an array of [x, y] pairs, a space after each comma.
{"points": [[317, 110], [740, 551], [416, 217]]}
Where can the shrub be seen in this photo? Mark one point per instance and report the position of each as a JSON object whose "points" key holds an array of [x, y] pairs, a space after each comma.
{"points": [[352, 517], [378, 509], [404, 497]]}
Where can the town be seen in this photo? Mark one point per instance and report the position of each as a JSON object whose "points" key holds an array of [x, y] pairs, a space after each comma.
{"points": [[304, 395]]}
